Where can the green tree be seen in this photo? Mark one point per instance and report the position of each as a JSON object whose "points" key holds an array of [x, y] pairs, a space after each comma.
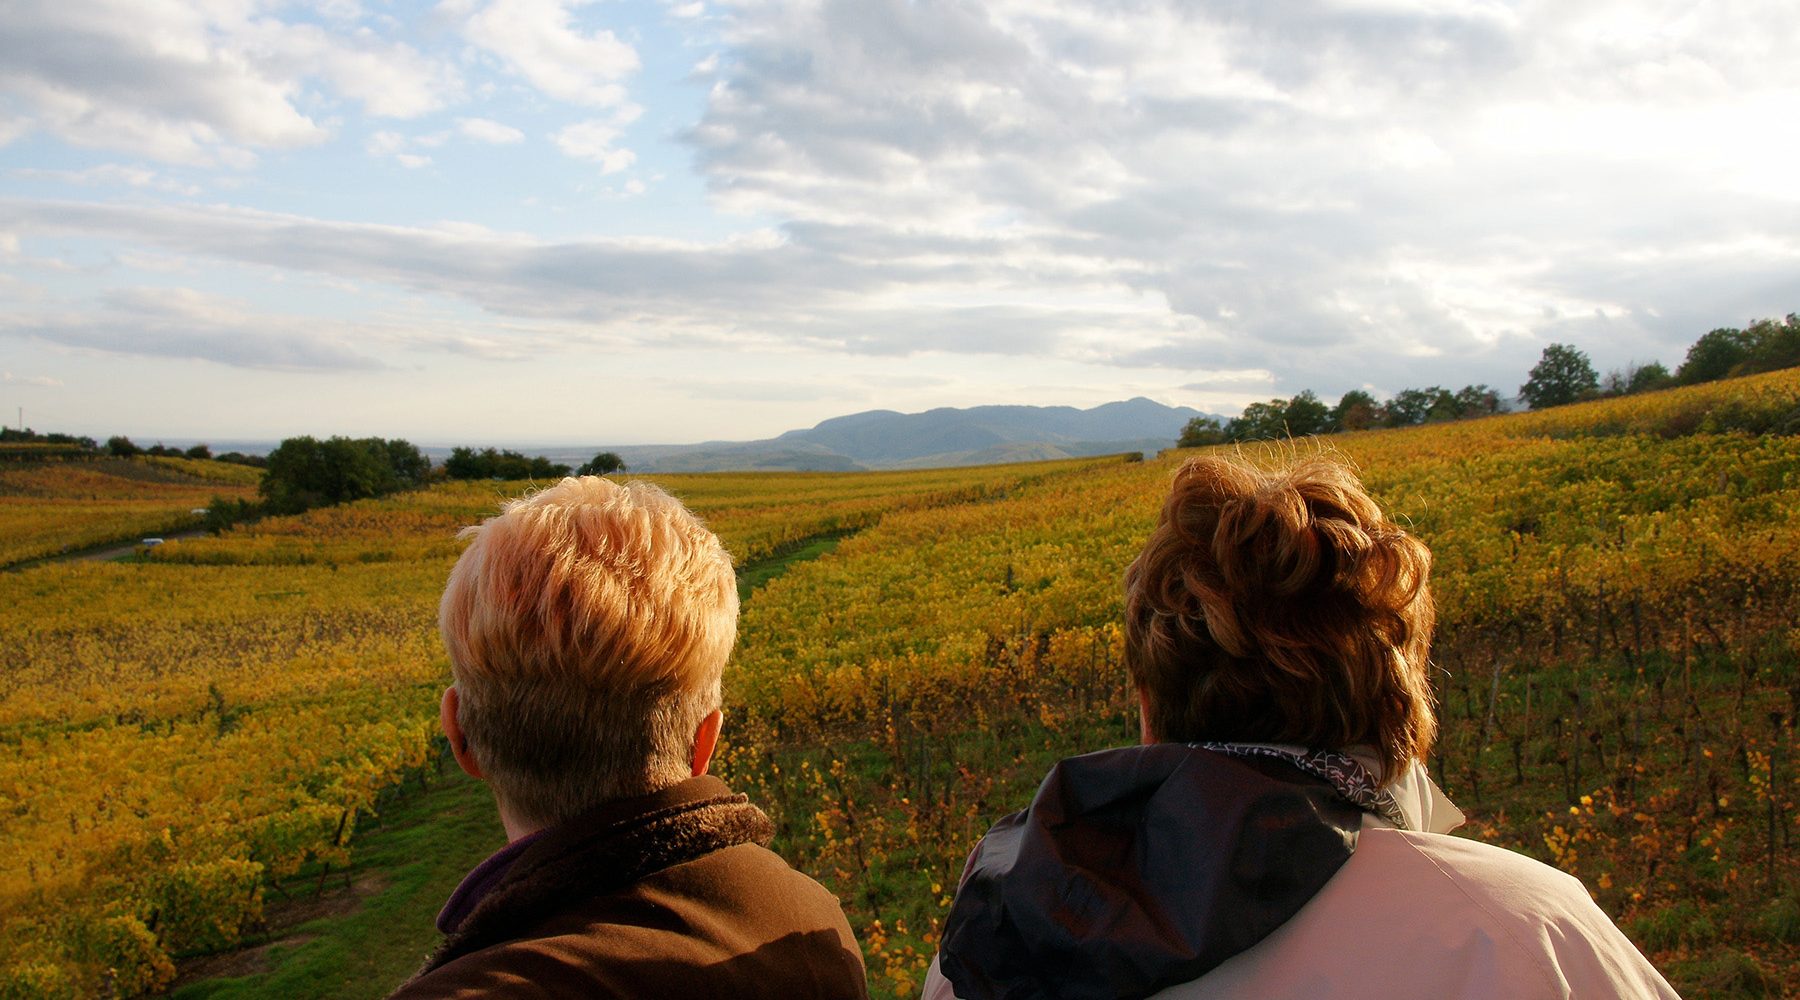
{"points": [[1443, 406], [120, 446], [1477, 401], [1306, 414], [464, 463], [1713, 356], [492, 463], [1259, 422], [1562, 375], [1648, 378], [1774, 345], [198, 451], [608, 462], [304, 472], [1409, 407], [1356, 410]]}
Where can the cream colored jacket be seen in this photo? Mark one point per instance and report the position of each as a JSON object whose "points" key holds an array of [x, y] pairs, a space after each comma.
{"points": [[1415, 915]]}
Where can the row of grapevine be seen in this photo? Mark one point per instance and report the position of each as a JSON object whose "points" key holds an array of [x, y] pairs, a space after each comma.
{"points": [[1616, 665], [51, 507], [183, 736]]}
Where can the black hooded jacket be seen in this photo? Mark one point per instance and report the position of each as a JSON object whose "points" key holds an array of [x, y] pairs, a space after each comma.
{"points": [[1139, 868]]}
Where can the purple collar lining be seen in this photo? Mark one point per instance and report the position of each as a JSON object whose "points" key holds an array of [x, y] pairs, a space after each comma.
{"points": [[480, 881]]}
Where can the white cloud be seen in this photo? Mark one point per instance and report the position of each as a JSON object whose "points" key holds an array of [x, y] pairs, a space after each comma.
{"points": [[593, 141], [484, 130], [394, 144], [113, 174], [12, 128], [1277, 174], [1243, 196], [536, 40], [199, 83]]}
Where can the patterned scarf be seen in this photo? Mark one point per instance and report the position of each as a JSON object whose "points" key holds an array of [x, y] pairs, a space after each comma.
{"points": [[1352, 780]]}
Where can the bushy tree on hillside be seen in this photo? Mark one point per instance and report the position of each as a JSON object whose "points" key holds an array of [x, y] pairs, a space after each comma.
{"points": [[603, 464], [1562, 375], [1259, 422], [27, 435], [1307, 414], [1713, 356], [1635, 378], [120, 446], [1477, 401], [1648, 378], [1409, 407], [411, 467], [1282, 418], [304, 472], [1356, 410], [491, 463], [1774, 345]]}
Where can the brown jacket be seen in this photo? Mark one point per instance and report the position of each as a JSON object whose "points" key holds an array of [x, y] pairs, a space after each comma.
{"points": [[671, 894]]}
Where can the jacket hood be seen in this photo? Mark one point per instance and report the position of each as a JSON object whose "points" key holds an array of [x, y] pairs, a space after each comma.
{"points": [[1139, 868]]}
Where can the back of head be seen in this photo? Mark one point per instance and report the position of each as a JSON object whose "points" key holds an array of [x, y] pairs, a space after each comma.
{"points": [[588, 627], [1282, 607]]}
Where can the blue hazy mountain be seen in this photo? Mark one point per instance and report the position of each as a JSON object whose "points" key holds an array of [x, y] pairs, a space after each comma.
{"points": [[977, 435]]}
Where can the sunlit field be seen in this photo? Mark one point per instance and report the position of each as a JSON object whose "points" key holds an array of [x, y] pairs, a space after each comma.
{"points": [[47, 508], [192, 729], [196, 737]]}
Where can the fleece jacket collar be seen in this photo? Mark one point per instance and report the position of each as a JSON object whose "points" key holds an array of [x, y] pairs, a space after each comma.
{"points": [[604, 850]]}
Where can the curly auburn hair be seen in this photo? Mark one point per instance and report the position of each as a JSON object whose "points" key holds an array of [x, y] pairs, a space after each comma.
{"points": [[1282, 607]]}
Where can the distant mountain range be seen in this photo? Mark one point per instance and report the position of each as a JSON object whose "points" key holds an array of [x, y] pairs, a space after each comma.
{"points": [[979, 435], [886, 439]]}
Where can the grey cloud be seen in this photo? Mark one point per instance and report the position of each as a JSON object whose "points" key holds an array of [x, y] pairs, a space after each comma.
{"points": [[181, 323], [1333, 195], [1281, 195], [237, 346]]}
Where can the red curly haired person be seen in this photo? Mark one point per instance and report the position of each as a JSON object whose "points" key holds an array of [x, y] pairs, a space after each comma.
{"points": [[1275, 835]]}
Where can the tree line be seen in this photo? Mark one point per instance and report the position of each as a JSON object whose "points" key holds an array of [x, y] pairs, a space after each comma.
{"points": [[306, 472], [303, 472], [1563, 374], [489, 463]]}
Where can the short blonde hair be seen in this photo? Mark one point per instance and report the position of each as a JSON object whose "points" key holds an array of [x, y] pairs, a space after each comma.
{"points": [[588, 627], [1282, 607]]}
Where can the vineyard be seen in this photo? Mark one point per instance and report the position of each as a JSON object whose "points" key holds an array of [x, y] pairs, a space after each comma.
{"points": [[52, 507], [192, 734], [192, 737], [1616, 665]]}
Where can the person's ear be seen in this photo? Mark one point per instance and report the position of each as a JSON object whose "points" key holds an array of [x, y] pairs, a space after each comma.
{"points": [[459, 744], [706, 740], [1145, 736]]}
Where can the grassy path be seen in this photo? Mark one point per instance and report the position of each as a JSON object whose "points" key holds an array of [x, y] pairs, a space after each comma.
{"points": [[373, 925], [359, 941]]}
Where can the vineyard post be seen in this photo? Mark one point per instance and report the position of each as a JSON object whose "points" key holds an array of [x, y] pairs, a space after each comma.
{"points": [[1637, 633], [1687, 645], [1774, 809], [1599, 620]]}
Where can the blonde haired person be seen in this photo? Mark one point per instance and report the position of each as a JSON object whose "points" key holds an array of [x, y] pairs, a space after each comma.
{"points": [[1276, 835], [588, 627]]}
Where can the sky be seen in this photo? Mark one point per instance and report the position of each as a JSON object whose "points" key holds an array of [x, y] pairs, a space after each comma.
{"points": [[665, 221]]}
